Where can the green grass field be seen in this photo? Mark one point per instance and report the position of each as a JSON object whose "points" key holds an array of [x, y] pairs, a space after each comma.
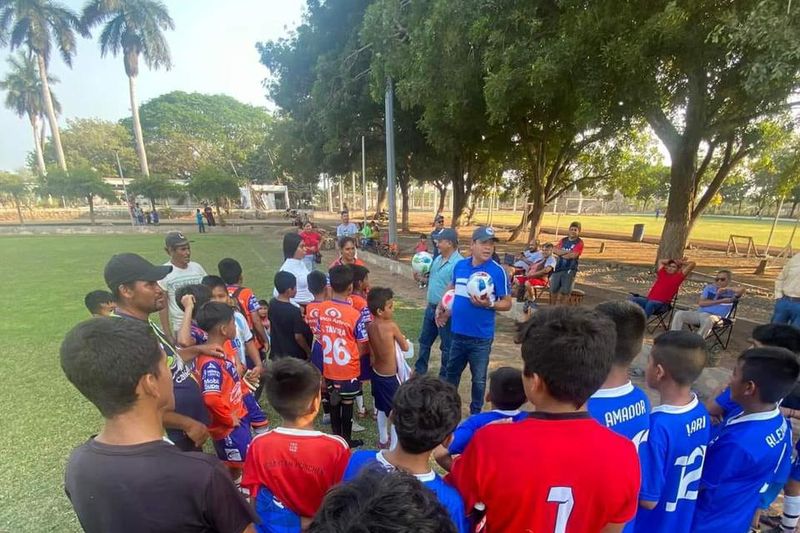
{"points": [[44, 417], [708, 228]]}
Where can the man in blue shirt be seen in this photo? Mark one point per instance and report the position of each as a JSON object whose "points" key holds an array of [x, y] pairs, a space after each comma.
{"points": [[752, 447], [568, 251], [716, 302], [438, 227], [472, 323], [439, 278]]}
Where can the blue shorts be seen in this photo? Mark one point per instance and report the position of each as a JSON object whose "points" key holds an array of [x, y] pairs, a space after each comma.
{"points": [[366, 368], [232, 450], [316, 355], [256, 415], [768, 496], [383, 390], [275, 516]]}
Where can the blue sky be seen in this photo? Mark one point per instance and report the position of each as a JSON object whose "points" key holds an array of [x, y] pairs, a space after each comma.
{"points": [[213, 51]]}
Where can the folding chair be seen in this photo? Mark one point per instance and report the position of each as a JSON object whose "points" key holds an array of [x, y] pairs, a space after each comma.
{"points": [[722, 331], [662, 318]]}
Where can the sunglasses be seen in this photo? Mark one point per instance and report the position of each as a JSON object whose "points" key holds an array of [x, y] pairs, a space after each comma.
{"points": [[720, 279]]}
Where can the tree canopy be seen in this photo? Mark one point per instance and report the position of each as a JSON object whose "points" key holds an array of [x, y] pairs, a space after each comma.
{"points": [[92, 143]]}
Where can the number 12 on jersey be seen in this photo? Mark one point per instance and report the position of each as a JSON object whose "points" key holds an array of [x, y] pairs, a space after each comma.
{"points": [[563, 497]]}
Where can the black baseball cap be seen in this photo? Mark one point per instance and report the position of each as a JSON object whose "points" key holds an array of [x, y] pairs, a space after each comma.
{"points": [[127, 268], [175, 238]]}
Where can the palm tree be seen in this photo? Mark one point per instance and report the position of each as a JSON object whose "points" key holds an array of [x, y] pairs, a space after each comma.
{"points": [[36, 24], [24, 96], [134, 27]]}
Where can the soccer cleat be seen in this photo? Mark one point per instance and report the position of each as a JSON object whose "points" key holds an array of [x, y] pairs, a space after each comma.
{"points": [[355, 443], [357, 428]]}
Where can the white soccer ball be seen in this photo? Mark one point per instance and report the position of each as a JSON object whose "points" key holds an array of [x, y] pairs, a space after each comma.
{"points": [[421, 262], [481, 286], [447, 299]]}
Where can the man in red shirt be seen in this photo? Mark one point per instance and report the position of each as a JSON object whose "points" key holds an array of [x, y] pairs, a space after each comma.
{"points": [[558, 470], [669, 277]]}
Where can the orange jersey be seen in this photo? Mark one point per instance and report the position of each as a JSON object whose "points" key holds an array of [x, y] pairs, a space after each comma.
{"points": [[312, 318], [222, 393], [342, 328]]}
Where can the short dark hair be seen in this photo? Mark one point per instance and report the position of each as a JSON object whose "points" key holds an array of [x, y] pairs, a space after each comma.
{"points": [[317, 281], [105, 358], [377, 501], [425, 411], [230, 270], [212, 282], [575, 224], [773, 370], [423, 236], [263, 303], [682, 354], [726, 271], [506, 389], [201, 293], [115, 291], [629, 321], [345, 240], [570, 348], [360, 273], [377, 299], [284, 281], [212, 315], [341, 277], [291, 385], [95, 299], [780, 335]]}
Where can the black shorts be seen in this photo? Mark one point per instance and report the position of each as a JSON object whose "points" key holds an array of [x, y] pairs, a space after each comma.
{"points": [[345, 389]]}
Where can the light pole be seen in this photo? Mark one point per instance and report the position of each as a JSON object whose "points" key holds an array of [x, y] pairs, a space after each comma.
{"points": [[390, 162]]}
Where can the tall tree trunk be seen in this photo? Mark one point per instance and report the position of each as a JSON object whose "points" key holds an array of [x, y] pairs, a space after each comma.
{"points": [[442, 197], [37, 143], [460, 191], [404, 189], [137, 128], [51, 114], [19, 209], [90, 199], [380, 205], [677, 220]]}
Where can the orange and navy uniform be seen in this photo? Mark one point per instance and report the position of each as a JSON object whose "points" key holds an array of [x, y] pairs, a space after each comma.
{"points": [[222, 393], [359, 303], [248, 303], [342, 329]]}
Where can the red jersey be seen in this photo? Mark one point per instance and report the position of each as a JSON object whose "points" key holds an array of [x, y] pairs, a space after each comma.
{"points": [[222, 393], [666, 286], [550, 473], [311, 239], [297, 466], [342, 328]]}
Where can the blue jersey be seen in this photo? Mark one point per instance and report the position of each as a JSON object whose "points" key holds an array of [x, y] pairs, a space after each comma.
{"points": [[750, 452], [671, 456], [468, 319], [729, 409], [624, 410], [447, 495], [466, 429]]}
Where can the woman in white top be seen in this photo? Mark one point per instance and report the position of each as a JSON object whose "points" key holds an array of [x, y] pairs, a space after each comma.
{"points": [[294, 250]]}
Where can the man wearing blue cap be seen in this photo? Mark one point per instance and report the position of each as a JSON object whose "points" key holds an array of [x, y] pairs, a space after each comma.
{"points": [[440, 276], [472, 323]]}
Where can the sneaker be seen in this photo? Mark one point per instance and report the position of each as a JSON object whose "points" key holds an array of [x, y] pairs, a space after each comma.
{"points": [[384, 445], [355, 443], [357, 428], [362, 413], [326, 420]]}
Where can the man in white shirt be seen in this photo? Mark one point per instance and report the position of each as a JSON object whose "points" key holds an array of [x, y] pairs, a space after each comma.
{"points": [[346, 228], [787, 294], [184, 272]]}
